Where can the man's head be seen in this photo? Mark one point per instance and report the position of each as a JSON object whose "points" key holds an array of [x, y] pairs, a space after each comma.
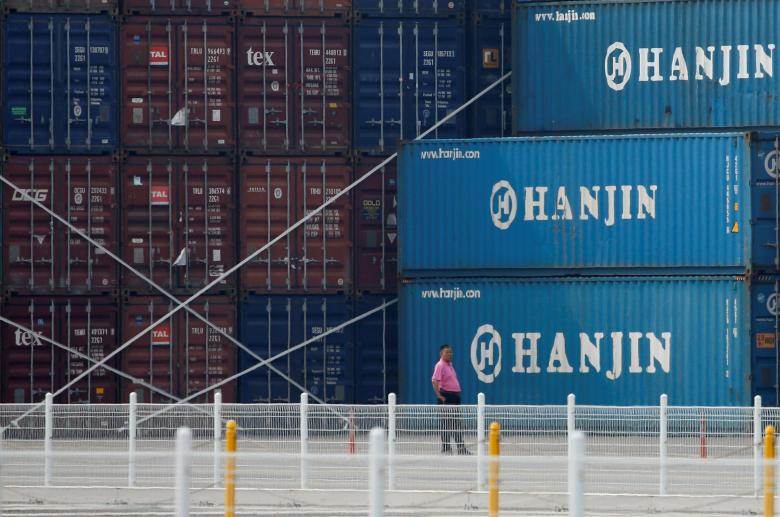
{"points": [[445, 352]]}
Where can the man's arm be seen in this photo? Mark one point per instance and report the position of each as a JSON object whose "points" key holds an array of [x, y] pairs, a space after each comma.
{"points": [[436, 389]]}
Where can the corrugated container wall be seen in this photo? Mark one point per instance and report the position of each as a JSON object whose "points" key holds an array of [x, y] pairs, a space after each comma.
{"points": [[42, 255], [294, 86], [490, 43], [59, 84], [408, 75], [597, 66], [290, 8], [376, 350], [274, 194], [178, 78], [596, 204], [61, 6], [617, 341], [271, 325], [180, 7], [178, 222], [408, 8], [33, 366], [183, 355]]}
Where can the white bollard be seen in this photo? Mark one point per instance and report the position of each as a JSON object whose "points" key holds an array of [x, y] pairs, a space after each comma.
{"points": [[132, 435], [576, 474], [480, 441], [662, 439], [390, 440], [304, 441], [48, 432], [757, 454], [570, 423], [217, 438], [183, 471], [376, 473]]}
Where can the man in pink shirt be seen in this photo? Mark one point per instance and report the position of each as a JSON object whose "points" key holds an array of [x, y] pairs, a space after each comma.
{"points": [[447, 389]]}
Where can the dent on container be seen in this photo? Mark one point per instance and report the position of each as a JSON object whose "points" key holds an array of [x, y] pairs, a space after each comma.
{"points": [[59, 84], [40, 254], [32, 367], [610, 341], [178, 84]]}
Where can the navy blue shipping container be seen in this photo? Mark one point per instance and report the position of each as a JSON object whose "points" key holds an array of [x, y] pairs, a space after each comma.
{"points": [[59, 84], [376, 350], [408, 75], [395, 8], [271, 325], [617, 341], [636, 64], [600, 204], [490, 45]]}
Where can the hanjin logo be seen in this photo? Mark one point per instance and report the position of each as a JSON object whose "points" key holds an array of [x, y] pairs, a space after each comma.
{"points": [[771, 304], [486, 352], [770, 164], [259, 58], [617, 66], [158, 56], [36, 194], [503, 205]]}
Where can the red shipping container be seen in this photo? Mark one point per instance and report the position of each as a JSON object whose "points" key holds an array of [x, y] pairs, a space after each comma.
{"points": [[61, 6], [294, 86], [42, 255], [376, 228], [182, 355], [179, 7], [274, 194], [177, 84], [178, 221], [337, 8], [32, 366]]}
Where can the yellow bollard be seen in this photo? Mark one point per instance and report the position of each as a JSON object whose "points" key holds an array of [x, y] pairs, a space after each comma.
{"points": [[494, 451], [230, 469], [769, 471]]}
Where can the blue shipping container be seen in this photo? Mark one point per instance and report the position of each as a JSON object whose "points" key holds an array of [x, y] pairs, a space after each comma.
{"points": [[597, 66], [408, 75], [376, 350], [271, 325], [490, 44], [395, 8], [588, 204], [60, 84], [618, 341]]}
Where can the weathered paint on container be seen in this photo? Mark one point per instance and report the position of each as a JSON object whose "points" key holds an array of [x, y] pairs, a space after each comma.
{"points": [[587, 204], [32, 367], [290, 8], [411, 8], [40, 254], [490, 40], [598, 66], [615, 341], [295, 79], [180, 7], [61, 6], [274, 194], [182, 355], [178, 84], [178, 221], [376, 227], [271, 325], [408, 75], [376, 350], [59, 84]]}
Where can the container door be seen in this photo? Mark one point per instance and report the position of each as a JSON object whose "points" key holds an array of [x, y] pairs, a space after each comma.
{"points": [[265, 92], [148, 222], [376, 350], [328, 365], [490, 60], [765, 192], [765, 338], [266, 211]]}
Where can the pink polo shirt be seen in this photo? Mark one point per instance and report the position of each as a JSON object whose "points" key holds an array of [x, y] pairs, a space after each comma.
{"points": [[444, 374]]}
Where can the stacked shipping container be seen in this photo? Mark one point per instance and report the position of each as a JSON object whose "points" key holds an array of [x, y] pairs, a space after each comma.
{"points": [[183, 136]]}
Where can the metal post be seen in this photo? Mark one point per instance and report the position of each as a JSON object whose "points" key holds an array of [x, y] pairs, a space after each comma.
{"points": [[132, 434], [390, 440], [662, 438], [480, 441], [376, 473], [230, 469], [183, 466], [47, 435], [304, 440], [576, 471], [494, 450], [217, 436], [757, 445], [570, 404], [769, 474]]}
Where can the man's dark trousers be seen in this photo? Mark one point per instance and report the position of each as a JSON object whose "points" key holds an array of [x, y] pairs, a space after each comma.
{"points": [[449, 421]]}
